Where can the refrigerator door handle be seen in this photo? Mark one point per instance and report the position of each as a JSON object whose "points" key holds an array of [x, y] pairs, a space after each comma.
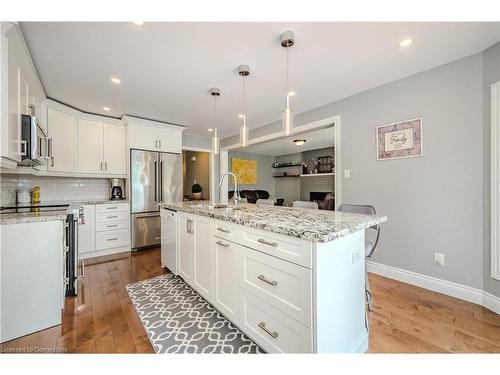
{"points": [[161, 181], [156, 182]]}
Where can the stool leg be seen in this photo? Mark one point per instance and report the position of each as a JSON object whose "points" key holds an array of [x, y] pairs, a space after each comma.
{"points": [[368, 293]]}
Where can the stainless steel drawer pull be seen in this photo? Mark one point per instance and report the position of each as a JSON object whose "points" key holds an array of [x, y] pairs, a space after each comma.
{"points": [[274, 334], [270, 282], [223, 230], [111, 208], [111, 217], [111, 226], [112, 239], [222, 243], [274, 244]]}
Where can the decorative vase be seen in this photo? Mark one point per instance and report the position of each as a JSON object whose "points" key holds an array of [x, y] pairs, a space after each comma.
{"points": [[197, 196]]}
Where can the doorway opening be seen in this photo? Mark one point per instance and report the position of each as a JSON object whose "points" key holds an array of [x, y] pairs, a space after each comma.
{"points": [[196, 175]]}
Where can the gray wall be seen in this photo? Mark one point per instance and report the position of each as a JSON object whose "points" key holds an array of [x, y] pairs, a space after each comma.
{"points": [[196, 141], [265, 180], [435, 202], [491, 75], [288, 188]]}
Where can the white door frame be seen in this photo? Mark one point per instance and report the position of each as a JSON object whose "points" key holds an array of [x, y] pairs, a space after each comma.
{"points": [[495, 180], [224, 151], [211, 163]]}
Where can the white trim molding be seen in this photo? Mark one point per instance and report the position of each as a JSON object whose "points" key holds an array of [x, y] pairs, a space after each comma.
{"points": [[495, 181], [466, 293]]}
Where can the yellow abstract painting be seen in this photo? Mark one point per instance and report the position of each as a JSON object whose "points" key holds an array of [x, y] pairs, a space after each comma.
{"points": [[245, 171]]}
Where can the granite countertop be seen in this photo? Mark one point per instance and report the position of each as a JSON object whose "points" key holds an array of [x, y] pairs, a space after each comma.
{"points": [[307, 224], [28, 217]]}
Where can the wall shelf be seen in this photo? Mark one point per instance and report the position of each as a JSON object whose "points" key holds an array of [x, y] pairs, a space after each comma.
{"points": [[288, 175], [287, 165], [317, 174]]}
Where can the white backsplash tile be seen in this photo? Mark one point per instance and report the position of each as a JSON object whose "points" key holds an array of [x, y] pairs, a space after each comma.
{"points": [[54, 188]]}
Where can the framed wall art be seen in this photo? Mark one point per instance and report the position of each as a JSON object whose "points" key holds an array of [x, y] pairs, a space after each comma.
{"points": [[245, 171], [400, 140]]}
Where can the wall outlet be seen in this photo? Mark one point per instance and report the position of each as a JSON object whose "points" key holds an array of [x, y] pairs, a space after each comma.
{"points": [[347, 173], [439, 259], [356, 257]]}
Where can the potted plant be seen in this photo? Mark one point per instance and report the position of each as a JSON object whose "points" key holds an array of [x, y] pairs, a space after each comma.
{"points": [[196, 190]]}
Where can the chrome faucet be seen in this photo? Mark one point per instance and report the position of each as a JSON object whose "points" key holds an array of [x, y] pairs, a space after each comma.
{"points": [[236, 193]]}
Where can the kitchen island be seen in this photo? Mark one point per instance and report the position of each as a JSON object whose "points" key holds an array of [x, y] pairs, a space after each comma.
{"points": [[292, 279]]}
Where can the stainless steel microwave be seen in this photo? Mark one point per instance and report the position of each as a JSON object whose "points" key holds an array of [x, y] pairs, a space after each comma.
{"points": [[36, 148]]}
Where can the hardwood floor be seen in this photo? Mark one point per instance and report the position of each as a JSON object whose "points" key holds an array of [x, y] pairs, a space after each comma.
{"points": [[405, 319]]}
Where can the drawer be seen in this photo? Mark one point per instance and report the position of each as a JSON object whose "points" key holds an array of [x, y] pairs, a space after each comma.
{"points": [[115, 207], [282, 284], [112, 216], [227, 231], [273, 330], [107, 240], [111, 225], [292, 249]]}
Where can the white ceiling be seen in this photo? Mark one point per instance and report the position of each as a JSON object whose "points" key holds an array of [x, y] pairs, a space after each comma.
{"points": [[283, 146], [167, 68]]}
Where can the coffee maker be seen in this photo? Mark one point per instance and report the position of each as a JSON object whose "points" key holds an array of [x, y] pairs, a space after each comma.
{"points": [[117, 188]]}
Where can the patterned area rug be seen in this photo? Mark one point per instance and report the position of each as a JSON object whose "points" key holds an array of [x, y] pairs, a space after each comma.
{"points": [[179, 320]]}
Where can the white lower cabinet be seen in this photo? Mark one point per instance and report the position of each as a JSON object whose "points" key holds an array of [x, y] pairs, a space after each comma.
{"points": [[287, 294], [203, 256], [32, 275], [226, 278], [105, 230], [86, 230], [273, 330], [186, 247]]}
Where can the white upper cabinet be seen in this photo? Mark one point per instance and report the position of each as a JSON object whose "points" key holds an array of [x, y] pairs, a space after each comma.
{"points": [[19, 88], [143, 137], [154, 136], [101, 148], [90, 155], [169, 140], [114, 149], [63, 136]]}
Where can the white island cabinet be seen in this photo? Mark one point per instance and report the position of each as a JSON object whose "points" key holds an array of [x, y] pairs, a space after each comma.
{"points": [[298, 291]]}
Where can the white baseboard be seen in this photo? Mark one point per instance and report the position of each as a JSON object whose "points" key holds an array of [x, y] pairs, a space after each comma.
{"points": [[449, 288], [115, 250]]}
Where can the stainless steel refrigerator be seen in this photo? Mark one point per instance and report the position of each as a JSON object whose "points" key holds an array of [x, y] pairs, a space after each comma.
{"points": [[154, 177]]}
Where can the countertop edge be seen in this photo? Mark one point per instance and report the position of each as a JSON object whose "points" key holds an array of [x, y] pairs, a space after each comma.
{"points": [[377, 220]]}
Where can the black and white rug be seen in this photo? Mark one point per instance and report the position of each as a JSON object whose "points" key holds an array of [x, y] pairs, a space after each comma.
{"points": [[179, 320]]}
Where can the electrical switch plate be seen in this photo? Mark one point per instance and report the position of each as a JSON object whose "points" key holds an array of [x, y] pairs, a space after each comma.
{"points": [[347, 173]]}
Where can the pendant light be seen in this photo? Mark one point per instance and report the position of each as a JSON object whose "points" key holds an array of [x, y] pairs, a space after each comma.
{"points": [[215, 92], [287, 40], [244, 71]]}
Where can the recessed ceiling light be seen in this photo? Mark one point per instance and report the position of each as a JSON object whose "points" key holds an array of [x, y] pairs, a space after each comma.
{"points": [[299, 142], [106, 108], [116, 80], [138, 23], [406, 42], [210, 129]]}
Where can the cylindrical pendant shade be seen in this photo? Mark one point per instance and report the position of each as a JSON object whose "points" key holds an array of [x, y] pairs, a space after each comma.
{"points": [[287, 121], [215, 143], [243, 135]]}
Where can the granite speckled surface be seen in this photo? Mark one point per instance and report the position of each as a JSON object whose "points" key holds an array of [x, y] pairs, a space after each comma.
{"points": [[31, 217], [307, 224]]}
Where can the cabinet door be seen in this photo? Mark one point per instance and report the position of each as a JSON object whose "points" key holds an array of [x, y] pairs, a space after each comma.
{"points": [[13, 131], [226, 286], [186, 248], [63, 129], [86, 230], [114, 149], [90, 147], [203, 257], [169, 140], [144, 137]]}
